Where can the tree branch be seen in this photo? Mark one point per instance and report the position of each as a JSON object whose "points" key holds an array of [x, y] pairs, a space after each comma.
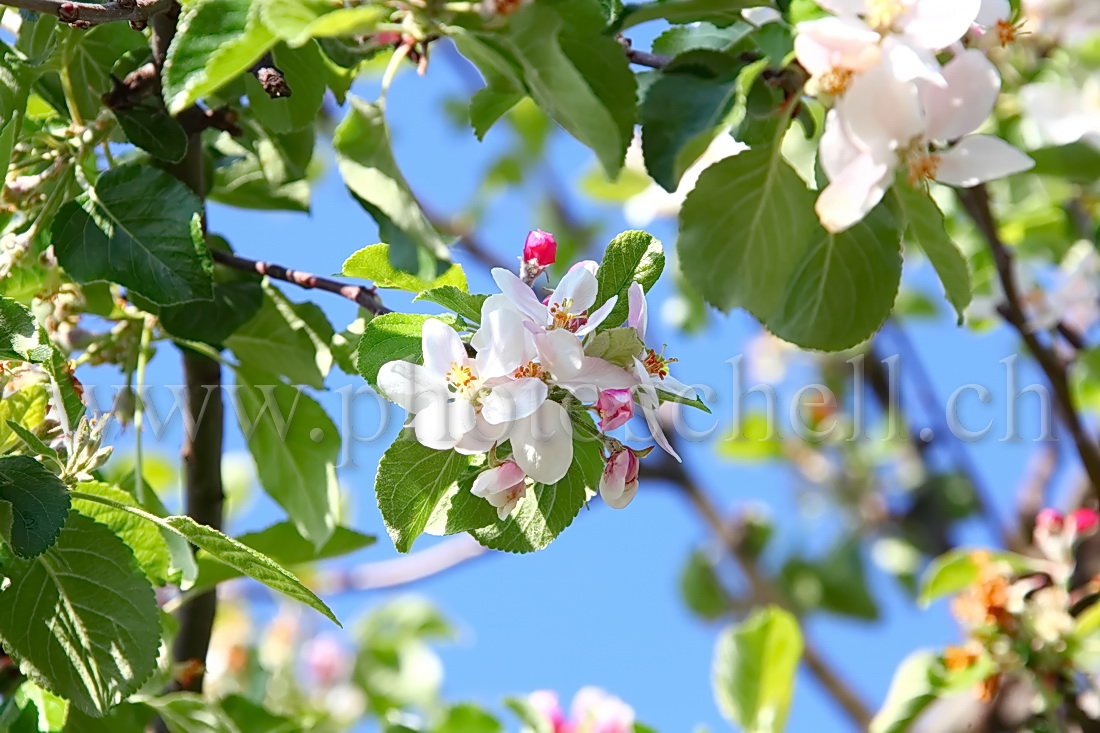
{"points": [[367, 298], [86, 15], [645, 58], [976, 202]]}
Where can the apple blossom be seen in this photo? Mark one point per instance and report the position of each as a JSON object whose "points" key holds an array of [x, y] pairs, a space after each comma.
{"points": [[619, 482], [502, 486], [1064, 114], [592, 711], [567, 307], [862, 147], [615, 407]]}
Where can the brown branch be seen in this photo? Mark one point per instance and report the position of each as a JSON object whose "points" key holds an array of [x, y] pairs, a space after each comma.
{"points": [[406, 569], [976, 202], [86, 15], [645, 58], [271, 77], [367, 298]]}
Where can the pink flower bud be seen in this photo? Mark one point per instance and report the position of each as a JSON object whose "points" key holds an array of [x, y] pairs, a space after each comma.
{"points": [[540, 248], [545, 702], [1085, 520], [1050, 520], [502, 486], [619, 482], [615, 408]]}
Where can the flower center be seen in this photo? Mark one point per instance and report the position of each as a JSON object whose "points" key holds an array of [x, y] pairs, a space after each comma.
{"points": [[1007, 32], [563, 317], [835, 81], [656, 364], [883, 14], [463, 380], [923, 164], [530, 369]]}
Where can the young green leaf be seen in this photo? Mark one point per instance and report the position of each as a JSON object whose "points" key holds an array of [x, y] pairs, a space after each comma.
{"points": [[954, 570], [283, 338], [617, 345], [633, 256], [20, 337], [104, 632], [719, 12], [910, 693], [467, 305], [374, 263], [296, 21], [925, 226], [754, 670], [390, 337], [135, 229], [144, 539], [38, 501], [303, 68]]}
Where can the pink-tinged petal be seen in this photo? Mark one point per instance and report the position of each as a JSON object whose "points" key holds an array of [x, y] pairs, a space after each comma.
{"points": [[579, 286], [836, 151], [980, 158], [560, 353], [521, 295], [411, 386], [973, 85], [851, 195], [542, 444], [482, 437], [441, 425], [638, 315], [591, 265], [599, 316], [1085, 520], [495, 480], [672, 385], [595, 376], [545, 702], [493, 303], [658, 433], [507, 344], [909, 64], [827, 44], [513, 400], [615, 407], [442, 347], [1059, 113], [992, 11], [619, 482], [647, 398], [936, 24], [861, 111]]}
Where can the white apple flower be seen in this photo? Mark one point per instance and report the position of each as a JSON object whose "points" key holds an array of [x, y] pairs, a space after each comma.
{"points": [[1064, 114], [883, 123], [502, 486], [923, 24], [1066, 21], [566, 308], [656, 365]]}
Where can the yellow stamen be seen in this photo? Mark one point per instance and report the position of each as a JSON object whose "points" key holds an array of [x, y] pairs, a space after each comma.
{"points": [[835, 81], [460, 376], [883, 14]]}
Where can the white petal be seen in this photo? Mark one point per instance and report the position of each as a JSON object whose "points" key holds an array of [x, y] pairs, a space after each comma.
{"points": [[672, 385], [513, 400], [908, 64], [482, 437], [1059, 112], [851, 195], [612, 485], [936, 24], [623, 497], [836, 151], [993, 11], [542, 444], [411, 386], [441, 425], [579, 285], [973, 85], [844, 7], [836, 43], [595, 376], [861, 111], [560, 353], [521, 295], [599, 316], [497, 479], [442, 347], [638, 315], [505, 348], [980, 158], [657, 432]]}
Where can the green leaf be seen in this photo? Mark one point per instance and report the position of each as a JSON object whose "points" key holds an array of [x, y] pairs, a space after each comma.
{"points": [[39, 503], [844, 287], [240, 180], [103, 633], [285, 545], [374, 263], [532, 718], [135, 229], [503, 88], [465, 304], [633, 256], [253, 718], [215, 41], [128, 717], [467, 718], [20, 337], [50, 710], [956, 569], [578, 76], [152, 129], [238, 299], [616, 345], [718, 12], [701, 587], [910, 693], [1078, 162], [681, 38], [411, 482], [926, 227], [144, 539], [184, 712], [296, 21], [548, 508], [366, 162], [390, 337], [281, 340], [88, 56], [684, 110], [229, 551], [754, 670], [303, 68], [295, 446], [21, 413], [836, 583]]}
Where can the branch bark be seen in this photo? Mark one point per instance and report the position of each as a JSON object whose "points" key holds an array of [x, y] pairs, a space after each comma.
{"points": [[367, 298], [86, 15], [976, 202]]}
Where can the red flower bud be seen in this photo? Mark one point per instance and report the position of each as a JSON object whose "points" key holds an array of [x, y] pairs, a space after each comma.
{"points": [[540, 248], [1085, 520]]}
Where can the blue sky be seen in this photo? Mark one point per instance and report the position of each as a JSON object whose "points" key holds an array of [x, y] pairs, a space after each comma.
{"points": [[601, 605]]}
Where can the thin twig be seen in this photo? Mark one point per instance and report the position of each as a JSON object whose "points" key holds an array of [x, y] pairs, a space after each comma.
{"points": [[976, 202], [86, 15], [366, 297], [645, 58]]}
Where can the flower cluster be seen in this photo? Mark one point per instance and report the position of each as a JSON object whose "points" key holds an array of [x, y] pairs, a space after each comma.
{"points": [[1020, 614], [532, 371], [895, 106], [592, 711]]}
